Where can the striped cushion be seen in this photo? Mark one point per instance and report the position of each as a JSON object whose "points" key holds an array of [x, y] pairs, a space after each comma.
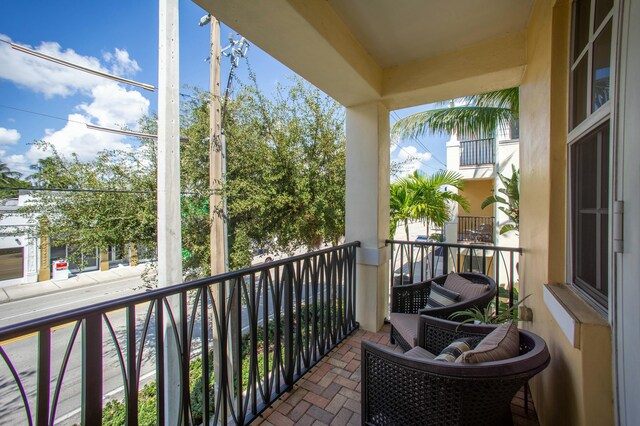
{"points": [[464, 287], [501, 343], [457, 348], [440, 296]]}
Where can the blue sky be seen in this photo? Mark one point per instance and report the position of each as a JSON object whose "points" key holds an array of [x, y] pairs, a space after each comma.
{"points": [[121, 37]]}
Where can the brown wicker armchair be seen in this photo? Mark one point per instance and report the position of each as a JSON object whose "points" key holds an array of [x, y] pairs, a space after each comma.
{"points": [[408, 303], [398, 389]]}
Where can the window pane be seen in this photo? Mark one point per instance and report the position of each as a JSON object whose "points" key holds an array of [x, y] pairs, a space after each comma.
{"points": [[602, 9], [586, 256], [579, 95], [604, 250], [603, 135], [589, 213], [601, 67], [581, 30], [586, 173], [11, 266]]}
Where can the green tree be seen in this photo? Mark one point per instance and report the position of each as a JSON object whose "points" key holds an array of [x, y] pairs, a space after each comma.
{"points": [[423, 197], [285, 170], [478, 116], [10, 178], [510, 202], [94, 204]]}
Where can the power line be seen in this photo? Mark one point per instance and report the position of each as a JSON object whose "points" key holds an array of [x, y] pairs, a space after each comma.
{"points": [[419, 143], [93, 126]]}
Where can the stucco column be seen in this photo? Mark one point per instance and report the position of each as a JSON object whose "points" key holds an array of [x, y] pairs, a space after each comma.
{"points": [[367, 208]]}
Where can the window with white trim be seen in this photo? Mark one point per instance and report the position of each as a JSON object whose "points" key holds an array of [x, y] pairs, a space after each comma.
{"points": [[589, 148]]}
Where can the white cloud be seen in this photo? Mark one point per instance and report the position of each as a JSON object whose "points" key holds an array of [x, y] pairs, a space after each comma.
{"points": [[51, 79], [112, 106], [9, 136], [121, 63], [108, 104], [412, 159], [18, 163]]}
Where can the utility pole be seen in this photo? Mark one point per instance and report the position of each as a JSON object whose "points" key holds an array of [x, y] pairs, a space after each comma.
{"points": [[169, 225], [216, 157]]}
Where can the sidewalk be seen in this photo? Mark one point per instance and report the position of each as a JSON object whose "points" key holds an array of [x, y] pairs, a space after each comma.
{"points": [[85, 279]]}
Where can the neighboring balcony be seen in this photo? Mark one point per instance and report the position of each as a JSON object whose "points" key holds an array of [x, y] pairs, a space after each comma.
{"points": [[476, 229], [477, 152]]}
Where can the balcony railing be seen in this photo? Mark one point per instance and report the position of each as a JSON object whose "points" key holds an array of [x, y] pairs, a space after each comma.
{"points": [[256, 330], [413, 262], [477, 152], [477, 229]]}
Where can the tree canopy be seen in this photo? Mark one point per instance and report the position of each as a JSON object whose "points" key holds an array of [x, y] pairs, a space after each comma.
{"points": [[284, 182]]}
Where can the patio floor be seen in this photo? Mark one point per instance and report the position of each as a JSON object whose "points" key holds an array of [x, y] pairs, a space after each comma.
{"points": [[329, 394]]}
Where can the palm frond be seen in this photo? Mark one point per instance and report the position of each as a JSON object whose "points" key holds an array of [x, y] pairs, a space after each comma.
{"points": [[505, 98], [467, 121]]}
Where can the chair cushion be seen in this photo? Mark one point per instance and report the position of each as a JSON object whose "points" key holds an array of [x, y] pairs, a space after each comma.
{"points": [[501, 343], [457, 348], [419, 353], [464, 287], [440, 296], [407, 326]]}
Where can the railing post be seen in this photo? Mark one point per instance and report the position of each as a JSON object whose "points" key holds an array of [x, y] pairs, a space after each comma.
{"points": [[91, 406], [44, 376], [132, 372], [288, 325]]}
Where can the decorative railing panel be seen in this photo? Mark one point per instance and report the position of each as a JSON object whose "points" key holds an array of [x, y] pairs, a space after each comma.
{"points": [[413, 262], [477, 229], [477, 152], [224, 347]]}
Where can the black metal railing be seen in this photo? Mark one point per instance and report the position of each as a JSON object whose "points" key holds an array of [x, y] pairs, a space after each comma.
{"points": [[413, 262], [476, 229], [477, 152], [224, 348]]}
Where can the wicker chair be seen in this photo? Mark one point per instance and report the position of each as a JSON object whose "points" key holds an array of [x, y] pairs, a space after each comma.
{"points": [[408, 303], [401, 390]]}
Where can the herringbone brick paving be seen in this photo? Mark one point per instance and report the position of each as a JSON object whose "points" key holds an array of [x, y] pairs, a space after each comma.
{"points": [[329, 394]]}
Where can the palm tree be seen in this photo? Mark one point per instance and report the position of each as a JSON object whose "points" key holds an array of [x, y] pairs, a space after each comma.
{"points": [[478, 116], [432, 198], [6, 175], [511, 204], [422, 197]]}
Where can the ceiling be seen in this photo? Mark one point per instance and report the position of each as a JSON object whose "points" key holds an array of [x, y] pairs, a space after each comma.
{"points": [[397, 32], [400, 52]]}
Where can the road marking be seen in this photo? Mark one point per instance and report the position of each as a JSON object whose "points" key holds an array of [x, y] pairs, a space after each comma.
{"points": [[66, 304], [57, 327]]}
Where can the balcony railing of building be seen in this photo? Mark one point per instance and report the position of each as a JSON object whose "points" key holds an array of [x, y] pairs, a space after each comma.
{"points": [[413, 262], [478, 229], [258, 330], [477, 152]]}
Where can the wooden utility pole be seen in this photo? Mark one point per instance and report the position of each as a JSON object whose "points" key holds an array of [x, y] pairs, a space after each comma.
{"points": [[216, 157]]}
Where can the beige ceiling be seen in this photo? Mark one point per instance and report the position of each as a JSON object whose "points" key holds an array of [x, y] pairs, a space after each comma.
{"points": [[400, 52], [399, 31]]}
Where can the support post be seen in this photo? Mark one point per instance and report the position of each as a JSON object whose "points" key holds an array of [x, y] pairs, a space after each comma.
{"points": [[367, 208], [169, 226]]}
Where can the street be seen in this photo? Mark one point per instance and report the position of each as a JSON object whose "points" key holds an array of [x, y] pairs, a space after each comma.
{"points": [[22, 351]]}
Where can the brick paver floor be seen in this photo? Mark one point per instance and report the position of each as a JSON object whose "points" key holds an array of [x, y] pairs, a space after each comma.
{"points": [[329, 394]]}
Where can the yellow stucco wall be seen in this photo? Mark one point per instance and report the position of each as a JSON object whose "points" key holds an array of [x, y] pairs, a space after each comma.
{"points": [[476, 191], [576, 388]]}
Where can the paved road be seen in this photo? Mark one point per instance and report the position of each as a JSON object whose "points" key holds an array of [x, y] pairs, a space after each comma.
{"points": [[23, 353]]}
